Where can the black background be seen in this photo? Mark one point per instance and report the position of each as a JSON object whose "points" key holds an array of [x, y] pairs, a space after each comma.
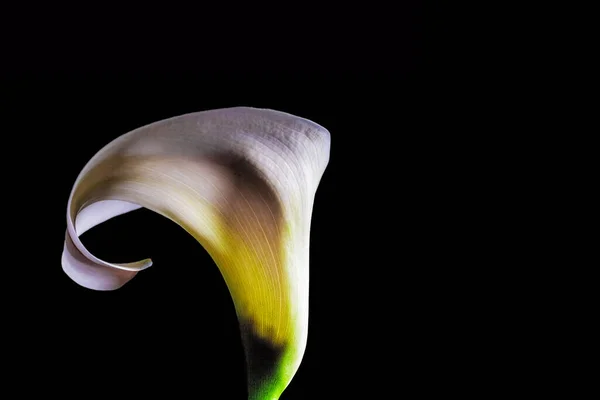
{"points": [[371, 78]]}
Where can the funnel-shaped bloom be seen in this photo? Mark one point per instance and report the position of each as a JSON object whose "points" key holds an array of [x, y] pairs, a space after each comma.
{"points": [[242, 181]]}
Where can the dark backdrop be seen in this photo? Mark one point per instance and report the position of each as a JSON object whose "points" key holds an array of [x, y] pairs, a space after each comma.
{"points": [[172, 330]]}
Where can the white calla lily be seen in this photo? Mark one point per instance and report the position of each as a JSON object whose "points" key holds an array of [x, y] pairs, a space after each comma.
{"points": [[242, 181]]}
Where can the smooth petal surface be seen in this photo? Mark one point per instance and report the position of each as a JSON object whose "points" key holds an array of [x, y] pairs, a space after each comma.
{"points": [[242, 181]]}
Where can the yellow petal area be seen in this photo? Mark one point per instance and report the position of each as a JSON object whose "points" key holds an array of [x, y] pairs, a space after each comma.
{"points": [[242, 182]]}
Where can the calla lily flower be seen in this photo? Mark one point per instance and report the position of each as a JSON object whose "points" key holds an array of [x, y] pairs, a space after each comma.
{"points": [[242, 181]]}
